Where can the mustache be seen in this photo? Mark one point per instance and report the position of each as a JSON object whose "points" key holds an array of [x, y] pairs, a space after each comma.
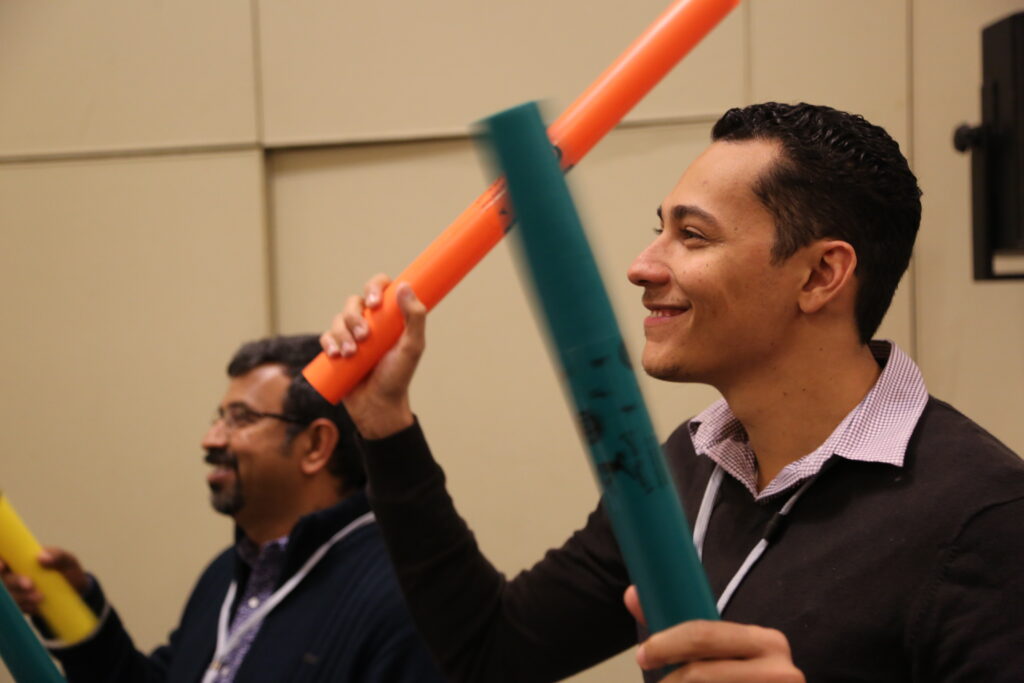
{"points": [[220, 456]]}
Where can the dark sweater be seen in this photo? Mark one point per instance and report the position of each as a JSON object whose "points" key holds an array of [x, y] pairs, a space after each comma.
{"points": [[346, 621], [883, 573]]}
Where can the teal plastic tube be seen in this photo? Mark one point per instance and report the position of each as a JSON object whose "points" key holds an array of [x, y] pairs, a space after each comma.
{"points": [[21, 650], [639, 496]]}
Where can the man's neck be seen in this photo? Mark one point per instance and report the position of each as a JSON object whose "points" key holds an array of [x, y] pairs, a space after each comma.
{"points": [[275, 526], [794, 404], [262, 533]]}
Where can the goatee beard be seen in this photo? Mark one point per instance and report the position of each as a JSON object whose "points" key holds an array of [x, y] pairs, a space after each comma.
{"points": [[225, 500]]}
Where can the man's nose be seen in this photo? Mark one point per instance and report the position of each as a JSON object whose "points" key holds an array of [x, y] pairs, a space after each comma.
{"points": [[216, 436], [648, 268]]}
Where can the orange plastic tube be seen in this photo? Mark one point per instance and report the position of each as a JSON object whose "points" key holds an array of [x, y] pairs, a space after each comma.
{"points": [[482, 225]]}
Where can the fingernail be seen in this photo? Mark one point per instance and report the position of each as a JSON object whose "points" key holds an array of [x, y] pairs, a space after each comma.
{"points": [[405, 294], [372, 299], [347, 349], [360, 332], [332, 350]]}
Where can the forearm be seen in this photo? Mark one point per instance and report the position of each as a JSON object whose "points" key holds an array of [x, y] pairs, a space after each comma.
{"points": [[561, 616], [109, 655]]}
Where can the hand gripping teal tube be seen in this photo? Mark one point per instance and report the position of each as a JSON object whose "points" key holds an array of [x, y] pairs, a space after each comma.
{"points": [[639, 496], [22, 652]]}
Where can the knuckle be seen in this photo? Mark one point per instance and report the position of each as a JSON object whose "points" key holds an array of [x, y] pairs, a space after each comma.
{"points": [[775, 640], [702, 635], [415, 349]]}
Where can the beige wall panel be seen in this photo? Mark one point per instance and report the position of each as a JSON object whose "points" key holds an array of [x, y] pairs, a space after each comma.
{"points": [[848, 55], [486, 393], [118, 74], [970, 333], [357, 71], [126, 286]]}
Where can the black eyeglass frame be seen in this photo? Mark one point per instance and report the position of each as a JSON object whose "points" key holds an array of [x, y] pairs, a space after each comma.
{"points": [[250, 416]]}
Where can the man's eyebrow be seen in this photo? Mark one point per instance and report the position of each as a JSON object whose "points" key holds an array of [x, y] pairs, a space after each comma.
{"points": [[680, 212]]}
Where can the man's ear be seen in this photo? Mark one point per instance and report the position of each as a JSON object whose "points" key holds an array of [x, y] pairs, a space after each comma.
{"points": [[830, 274], [317, 446]]}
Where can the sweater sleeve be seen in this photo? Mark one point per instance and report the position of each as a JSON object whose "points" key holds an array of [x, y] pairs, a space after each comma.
{"points": [[563, 615], [109, 655], [970, 627]]}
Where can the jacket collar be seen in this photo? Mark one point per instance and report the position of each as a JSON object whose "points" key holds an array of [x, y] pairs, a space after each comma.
{"points": [[309, 533]]}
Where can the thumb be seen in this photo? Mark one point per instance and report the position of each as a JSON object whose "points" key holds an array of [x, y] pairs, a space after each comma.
{"points": [[67, 564], [414, 313], [632, 600], [56, 558]]}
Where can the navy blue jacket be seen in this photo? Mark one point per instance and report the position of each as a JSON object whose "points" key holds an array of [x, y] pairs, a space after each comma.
{"points": [[346, 621]]}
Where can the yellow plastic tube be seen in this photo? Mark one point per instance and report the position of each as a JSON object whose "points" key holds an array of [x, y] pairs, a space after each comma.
{"points": [[62, 607]]}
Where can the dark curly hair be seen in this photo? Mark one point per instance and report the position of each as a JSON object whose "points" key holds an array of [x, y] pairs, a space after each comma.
{"points": [[838, 177], [303, 402]]}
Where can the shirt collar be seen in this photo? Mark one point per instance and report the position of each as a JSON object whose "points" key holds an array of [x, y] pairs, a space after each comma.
{"points": [[253, 553], [876, 430]]}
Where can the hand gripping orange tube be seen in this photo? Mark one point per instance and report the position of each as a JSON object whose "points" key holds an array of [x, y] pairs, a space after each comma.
{"points": [[482, 225], [62, 608]]}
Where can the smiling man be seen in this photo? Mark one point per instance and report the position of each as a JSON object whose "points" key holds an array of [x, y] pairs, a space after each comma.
{"points": [[306, 592], [853, 527]]}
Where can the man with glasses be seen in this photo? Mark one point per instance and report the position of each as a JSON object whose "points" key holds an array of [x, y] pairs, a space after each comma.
{"points": [[306, 592]]}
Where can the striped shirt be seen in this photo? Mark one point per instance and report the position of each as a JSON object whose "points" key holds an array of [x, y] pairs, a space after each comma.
{"points": [[877, 430]]}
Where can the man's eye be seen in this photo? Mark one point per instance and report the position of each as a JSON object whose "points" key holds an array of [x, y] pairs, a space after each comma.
{"points": [[658, 229], [239, 416], [690, 233]]}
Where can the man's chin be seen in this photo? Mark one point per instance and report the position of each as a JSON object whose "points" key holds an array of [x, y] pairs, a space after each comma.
{"points": [[226, 502], [668, 372]]}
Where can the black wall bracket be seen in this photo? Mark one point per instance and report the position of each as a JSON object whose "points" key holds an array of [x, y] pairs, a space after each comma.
{"points": [[997, 150]]}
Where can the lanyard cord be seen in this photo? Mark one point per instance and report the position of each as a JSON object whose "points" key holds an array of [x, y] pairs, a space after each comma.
{"points": [[226, 644], [771, 530]]}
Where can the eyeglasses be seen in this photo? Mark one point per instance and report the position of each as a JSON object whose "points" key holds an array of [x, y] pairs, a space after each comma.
{"points": [[238, 415]]}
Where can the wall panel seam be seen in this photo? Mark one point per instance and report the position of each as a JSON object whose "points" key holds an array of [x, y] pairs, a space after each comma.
{"points": [[748, 56], [372, 141], [911, 274], [257, 71], [100, 155]]}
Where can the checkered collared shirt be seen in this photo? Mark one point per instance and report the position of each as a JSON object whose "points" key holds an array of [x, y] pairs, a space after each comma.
{"points": [[266, 563], [877, 430]]}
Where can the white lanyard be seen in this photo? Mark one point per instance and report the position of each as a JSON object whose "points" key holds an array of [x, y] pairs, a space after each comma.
{"points": [[226, 644], [700, 529]]}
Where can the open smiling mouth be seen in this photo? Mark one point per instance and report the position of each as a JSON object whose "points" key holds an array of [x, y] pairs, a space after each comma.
{"points": [[224, 468], [658, 314]]}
